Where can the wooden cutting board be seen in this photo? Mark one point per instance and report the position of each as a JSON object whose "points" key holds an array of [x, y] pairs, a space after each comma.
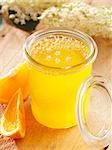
{"points": [[37, 136]]}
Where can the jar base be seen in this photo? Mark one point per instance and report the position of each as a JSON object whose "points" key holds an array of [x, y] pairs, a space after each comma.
{"points": [[50, 126]]}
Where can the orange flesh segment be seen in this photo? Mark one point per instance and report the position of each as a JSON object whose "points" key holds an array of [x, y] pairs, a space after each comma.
{"points": [[13, 119]]}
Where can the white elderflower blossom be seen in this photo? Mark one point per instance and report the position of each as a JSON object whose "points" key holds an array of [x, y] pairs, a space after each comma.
{"points": [[26, 8], [93, 20]]}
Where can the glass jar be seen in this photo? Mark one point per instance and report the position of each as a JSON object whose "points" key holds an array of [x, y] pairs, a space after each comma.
{"points": [[55, 89]]}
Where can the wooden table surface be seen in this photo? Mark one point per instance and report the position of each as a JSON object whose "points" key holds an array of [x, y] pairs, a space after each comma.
{"points": [[37, 136]]}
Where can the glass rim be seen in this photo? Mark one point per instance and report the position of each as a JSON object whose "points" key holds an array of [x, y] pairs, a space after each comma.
{"points": [[86, 134], [50, 31]]}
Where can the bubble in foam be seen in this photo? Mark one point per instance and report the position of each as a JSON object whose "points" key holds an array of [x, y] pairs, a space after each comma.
{"points": [[57, 60], [48, 50], [68, 59], [57, 53], [48, 58]]}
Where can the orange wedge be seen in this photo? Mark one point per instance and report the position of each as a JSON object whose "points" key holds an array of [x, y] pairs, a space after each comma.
{"points": [[9, 84], [12, 123]]}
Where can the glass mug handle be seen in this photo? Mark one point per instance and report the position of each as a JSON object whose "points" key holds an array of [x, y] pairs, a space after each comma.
{"points": [[94, 111]]}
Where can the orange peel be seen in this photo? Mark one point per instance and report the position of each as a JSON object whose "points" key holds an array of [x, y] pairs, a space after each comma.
{"points": [[17, 78]]}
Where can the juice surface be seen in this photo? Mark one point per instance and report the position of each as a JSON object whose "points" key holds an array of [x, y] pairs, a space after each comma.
{"points": [[53, 96], [59, 51]]}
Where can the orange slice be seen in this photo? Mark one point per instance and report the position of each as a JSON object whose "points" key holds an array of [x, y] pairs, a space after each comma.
{"points": [[12, 123], [17, 78]]}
